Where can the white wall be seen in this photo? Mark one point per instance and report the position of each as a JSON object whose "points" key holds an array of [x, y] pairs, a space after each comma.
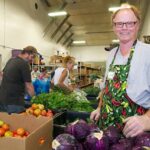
{"points": [[146, 26], [89, 53], [22, 25]]}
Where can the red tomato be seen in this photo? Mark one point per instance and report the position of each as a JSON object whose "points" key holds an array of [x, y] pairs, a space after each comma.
{"points": [[20, 131], [2, 132], [5, 127]]}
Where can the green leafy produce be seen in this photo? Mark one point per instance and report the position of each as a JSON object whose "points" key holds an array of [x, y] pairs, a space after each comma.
{"points": [[92, 91], [82, 106], [60, 89], [59, 100]]}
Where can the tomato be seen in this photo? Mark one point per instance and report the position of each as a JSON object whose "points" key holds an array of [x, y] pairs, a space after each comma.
{"points": [[43, 113], [26, 133], [49, 114], [20, 131], [5, 127], [34, 106], [2, 132], [37, 112], [8, 134]]}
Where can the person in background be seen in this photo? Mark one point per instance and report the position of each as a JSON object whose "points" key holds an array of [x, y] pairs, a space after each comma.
{"points": [[16, 80], [43, 73], [125, 98], [35, 72], [61, 76]]}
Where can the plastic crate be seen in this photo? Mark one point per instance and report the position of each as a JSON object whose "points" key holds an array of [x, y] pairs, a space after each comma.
{"points": [[59, 123], [58, 129], [91, 97], [66, 117], [61, 119], [73, 115]]}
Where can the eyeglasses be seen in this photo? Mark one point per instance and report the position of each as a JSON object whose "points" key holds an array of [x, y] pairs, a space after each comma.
{"points": [[128, 24]]}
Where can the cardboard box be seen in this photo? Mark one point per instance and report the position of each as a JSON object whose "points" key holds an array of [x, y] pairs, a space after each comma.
{"points": [[87, 65], [56, 59], [39, 128]]}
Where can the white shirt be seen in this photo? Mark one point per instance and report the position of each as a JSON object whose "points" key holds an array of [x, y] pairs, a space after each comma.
{"points": [[57, 75]]}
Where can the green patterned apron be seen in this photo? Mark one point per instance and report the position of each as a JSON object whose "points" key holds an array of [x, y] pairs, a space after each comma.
{"points": [[116, 104]]}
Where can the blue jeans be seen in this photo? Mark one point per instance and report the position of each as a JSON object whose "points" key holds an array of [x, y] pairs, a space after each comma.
{"points": [[12, 108]]}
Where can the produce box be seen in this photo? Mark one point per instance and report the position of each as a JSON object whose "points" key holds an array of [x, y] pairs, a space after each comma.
{"points": [[38, 128]]}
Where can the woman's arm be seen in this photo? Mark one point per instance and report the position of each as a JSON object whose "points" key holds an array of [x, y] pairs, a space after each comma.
{"points": [[62, 79]]}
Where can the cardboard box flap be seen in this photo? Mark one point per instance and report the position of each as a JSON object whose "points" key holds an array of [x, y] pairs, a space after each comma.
{"points": [[28, 122]]}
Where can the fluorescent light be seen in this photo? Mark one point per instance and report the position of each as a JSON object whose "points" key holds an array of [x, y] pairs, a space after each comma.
{"points": [[79, 42], [123, 6], [113, 9], [57, 13], [115, 41]]}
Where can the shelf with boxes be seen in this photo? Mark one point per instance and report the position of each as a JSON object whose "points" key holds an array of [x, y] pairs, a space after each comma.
{"points": [[57, 59], [87, 74], [49, 67]]}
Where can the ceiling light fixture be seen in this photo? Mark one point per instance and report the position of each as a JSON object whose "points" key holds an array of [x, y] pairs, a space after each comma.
{"points": [[123, 6], [57, 13], [115, 41], [113, 9], [79, 42]]}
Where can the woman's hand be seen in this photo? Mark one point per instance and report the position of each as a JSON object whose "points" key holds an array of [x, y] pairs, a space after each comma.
{"points": [[135, 125], [95, 114], [71, 88]]}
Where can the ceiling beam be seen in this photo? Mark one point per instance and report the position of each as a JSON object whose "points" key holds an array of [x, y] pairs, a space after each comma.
{"points": [[47, 3], [58, 28], [67, 39], [53, 19], [123, 1], [69, 44], [64, 33]]}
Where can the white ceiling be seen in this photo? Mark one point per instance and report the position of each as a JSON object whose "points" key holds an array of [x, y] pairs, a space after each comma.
{"points": [[89, 20]]}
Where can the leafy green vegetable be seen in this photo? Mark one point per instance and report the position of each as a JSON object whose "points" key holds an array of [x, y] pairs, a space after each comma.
{"points": [[60, 89], [91, 90], [59, 100]]}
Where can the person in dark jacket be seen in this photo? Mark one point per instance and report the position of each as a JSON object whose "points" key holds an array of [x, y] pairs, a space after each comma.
{"points": [[16, 80]]}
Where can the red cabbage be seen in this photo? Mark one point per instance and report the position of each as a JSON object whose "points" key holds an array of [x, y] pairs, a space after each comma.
{"points": [[79, 129], [137, 148], [123, 144], [127, 143], [66, 142], [94, 128], [96, 141], [143, 139], [117, 146], [113, 134]]}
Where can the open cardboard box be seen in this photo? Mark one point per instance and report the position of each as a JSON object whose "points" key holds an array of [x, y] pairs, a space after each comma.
{"points": [[39, 128]]}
